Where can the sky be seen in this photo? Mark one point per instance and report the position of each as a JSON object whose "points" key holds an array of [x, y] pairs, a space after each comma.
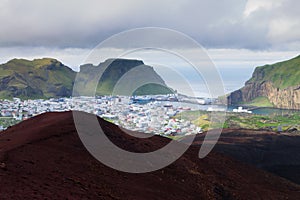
{"points": [[236, 34]]}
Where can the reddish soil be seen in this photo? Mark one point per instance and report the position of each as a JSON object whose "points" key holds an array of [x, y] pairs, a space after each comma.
{"points": [[43, 158]]}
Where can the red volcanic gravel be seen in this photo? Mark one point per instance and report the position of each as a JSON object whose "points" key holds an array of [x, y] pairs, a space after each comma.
{"points": [[43, 158]]}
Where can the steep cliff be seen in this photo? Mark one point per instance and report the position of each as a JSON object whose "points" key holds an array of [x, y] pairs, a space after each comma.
{"points": [[278, 83], [112, 71]]}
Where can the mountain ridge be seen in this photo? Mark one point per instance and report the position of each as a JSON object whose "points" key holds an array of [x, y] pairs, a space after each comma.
{"points": [[49, 78]]}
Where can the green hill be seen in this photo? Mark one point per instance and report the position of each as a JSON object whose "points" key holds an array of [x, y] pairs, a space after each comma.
{"points": [[40, 78], [276, 85], [282, 74], [112, 71], [47, 77]]}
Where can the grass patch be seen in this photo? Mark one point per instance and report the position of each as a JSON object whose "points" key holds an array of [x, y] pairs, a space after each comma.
{"points": [[259, 102], [242, 120], [282, 74]]}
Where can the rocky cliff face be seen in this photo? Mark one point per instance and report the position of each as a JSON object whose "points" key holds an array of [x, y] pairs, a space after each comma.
{"points": [[135, 72], [270, 81], [288, 98]]}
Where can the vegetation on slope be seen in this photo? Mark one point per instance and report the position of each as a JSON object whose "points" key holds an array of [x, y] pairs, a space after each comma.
{"points": [[279, 83], [47, 77], [260, 101], [243, 120], [115, 70], [281, 74], [40, 78]]}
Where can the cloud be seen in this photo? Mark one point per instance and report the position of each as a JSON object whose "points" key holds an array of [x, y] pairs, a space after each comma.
{"points": [[72, 57], [252, 24], [284, 27], [254, 5]]}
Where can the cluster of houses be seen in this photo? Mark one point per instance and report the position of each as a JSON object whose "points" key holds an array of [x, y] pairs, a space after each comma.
{"points": [[154, 117], [146, 114], [21, 110]]}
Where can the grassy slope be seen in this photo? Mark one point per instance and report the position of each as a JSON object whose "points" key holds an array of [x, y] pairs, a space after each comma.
{"points": [[261, 122], [238, 120], [49, 76], [134, 70], [282, 74], [38, 74], [259, 102], [153, 89]]}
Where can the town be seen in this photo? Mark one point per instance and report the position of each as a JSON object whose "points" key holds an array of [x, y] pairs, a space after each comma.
{"points": [[149, 114]]}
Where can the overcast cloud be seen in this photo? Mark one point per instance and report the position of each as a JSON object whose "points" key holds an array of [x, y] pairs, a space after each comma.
{"points": [[253, 24], [237, 33]]}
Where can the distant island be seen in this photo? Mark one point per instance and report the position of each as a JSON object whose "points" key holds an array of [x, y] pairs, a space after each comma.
{"points": [[276, 85], [49, 78]]}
